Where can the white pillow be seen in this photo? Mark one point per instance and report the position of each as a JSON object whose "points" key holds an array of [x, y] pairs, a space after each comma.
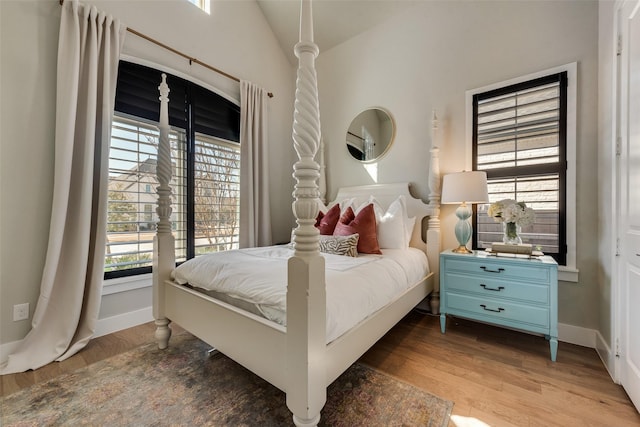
{"points": [[409, 224], [394, 227]]}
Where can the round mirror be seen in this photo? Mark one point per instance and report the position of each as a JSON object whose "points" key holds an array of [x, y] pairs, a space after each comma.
{"points": [[370, 134]]}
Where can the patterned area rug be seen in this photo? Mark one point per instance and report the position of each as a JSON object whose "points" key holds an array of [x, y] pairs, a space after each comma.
{"points": [[183, 386]]}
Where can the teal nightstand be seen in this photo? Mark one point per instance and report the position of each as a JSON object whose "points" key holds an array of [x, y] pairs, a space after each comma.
{"points": [[519, 293]]}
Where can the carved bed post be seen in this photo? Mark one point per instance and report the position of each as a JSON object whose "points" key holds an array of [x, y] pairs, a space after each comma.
{"points": [[306, 296], [433, 233], [163, 242], [322, 182]]}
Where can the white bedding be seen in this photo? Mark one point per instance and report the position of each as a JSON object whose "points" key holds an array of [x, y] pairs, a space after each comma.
{"points": [[356, 287]]}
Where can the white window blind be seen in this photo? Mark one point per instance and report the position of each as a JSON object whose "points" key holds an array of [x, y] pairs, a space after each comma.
{"points": [[519, 128], [131, 217]]}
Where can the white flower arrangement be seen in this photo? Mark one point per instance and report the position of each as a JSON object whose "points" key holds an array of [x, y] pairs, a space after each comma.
{"points": [[508, 210]]}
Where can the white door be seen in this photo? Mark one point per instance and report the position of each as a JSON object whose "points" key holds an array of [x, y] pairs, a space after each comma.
{"points": [[629, 177]]}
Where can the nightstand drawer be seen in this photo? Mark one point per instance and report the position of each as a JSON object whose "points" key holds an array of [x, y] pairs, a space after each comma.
{"points": [[496, 288], [500, 310], [497, 269]]}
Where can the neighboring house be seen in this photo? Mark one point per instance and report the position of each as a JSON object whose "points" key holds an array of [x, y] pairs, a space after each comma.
{"points": [[137, 188]]}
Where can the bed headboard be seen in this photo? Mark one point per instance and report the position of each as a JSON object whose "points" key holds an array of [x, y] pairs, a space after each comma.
{"points": [[385, 194]]}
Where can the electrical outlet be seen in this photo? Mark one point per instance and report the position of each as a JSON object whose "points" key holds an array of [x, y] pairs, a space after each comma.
{"points": [[21, 312]]}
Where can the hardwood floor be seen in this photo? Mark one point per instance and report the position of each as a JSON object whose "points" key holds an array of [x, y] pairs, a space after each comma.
{"points": [[496, 377], [499, 377]]}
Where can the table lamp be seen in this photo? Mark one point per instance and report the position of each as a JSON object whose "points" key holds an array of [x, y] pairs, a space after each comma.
{"points": [[464, 187]]}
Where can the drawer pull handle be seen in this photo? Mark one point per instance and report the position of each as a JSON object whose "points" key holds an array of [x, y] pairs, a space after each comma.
{"points": [[492, 289], [491, 309], [488, 270]]}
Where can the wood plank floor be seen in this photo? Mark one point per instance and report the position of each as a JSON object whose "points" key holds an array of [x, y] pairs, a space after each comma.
{"points": [[496, 377]]}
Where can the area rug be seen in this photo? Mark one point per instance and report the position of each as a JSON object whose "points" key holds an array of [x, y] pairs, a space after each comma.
{"points": [[183, 386]]}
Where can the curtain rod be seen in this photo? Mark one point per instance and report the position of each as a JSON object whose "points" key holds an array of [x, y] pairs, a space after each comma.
{"points": [[177, 52]]}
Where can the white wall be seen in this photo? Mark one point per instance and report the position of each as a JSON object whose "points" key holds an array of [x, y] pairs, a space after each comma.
{"points": [[425, 59], [235, 38]]}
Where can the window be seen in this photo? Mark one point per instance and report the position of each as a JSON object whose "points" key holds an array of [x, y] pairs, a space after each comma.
{"points": [[216, 195], [205, 5], [519, 136], [205, 180], [131, 221], [148, 213]]}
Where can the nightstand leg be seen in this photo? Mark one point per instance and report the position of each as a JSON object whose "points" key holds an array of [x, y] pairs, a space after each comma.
{"points": [[553, 346], [443, 322]]}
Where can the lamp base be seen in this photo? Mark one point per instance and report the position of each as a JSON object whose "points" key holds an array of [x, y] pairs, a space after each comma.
{"points": [[462, 250]]}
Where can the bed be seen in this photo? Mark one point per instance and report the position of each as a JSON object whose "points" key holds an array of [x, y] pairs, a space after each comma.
{"points": [[296, 349]]}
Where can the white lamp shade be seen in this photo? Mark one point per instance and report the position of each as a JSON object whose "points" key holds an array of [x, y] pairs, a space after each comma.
{"points": [[461, 187]]}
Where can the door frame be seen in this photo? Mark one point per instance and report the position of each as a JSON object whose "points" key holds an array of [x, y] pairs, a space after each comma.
{"points": [[618, 311]]}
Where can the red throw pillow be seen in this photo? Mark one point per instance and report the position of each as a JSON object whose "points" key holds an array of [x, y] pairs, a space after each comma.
{"points": [[326, 222], [364, 224]]}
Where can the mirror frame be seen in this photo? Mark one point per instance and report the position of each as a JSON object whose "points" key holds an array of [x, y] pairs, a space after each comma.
{"points": [[389, 143]]}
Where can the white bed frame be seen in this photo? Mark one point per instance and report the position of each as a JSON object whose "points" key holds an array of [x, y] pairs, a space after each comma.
{"points": [[296, 358]]}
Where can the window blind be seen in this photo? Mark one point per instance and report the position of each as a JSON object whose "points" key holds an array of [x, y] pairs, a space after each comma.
{"points": [[137, 94], [519, 128], [131, 203], [211, 114]]}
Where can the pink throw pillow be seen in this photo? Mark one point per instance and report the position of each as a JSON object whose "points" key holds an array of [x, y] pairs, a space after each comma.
{"points": [[326, 222], [363, 224]]}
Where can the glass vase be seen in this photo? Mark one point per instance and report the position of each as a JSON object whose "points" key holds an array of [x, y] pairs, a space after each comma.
{"points": [[511, 234]]}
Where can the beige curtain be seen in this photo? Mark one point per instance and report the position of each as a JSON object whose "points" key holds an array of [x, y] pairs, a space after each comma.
{"points": [[65, 316], [255, 218]]}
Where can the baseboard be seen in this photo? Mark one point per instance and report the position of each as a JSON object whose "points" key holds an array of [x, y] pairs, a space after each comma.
{"points": [[123, 321], [103, 327], [607, 355], [6, 349], [593, 339], [577, 335]]}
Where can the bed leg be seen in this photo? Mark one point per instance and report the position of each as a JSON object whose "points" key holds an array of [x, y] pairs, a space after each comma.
{"points": [[299, 422], [163, 333], [435, 303]]}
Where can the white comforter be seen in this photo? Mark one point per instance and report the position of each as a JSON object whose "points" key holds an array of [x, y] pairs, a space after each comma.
{"points": [[356, 287]]}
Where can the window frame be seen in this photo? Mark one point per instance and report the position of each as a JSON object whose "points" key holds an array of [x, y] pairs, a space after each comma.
{"points": [[531, 170], [567, 272]]}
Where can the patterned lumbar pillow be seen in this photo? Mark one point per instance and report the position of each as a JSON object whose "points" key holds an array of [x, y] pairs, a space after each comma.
{"points": [[340, 245], [336, 245]]}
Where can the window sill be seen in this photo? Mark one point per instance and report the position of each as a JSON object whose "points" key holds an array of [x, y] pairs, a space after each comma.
{"points": [[124, 284], [567, 274]]}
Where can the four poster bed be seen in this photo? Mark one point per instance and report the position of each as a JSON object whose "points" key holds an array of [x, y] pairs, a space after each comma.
{"points": [[303, 352]]}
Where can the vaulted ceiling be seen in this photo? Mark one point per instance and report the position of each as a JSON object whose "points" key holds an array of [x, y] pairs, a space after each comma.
{"points": [[335, 21]]}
